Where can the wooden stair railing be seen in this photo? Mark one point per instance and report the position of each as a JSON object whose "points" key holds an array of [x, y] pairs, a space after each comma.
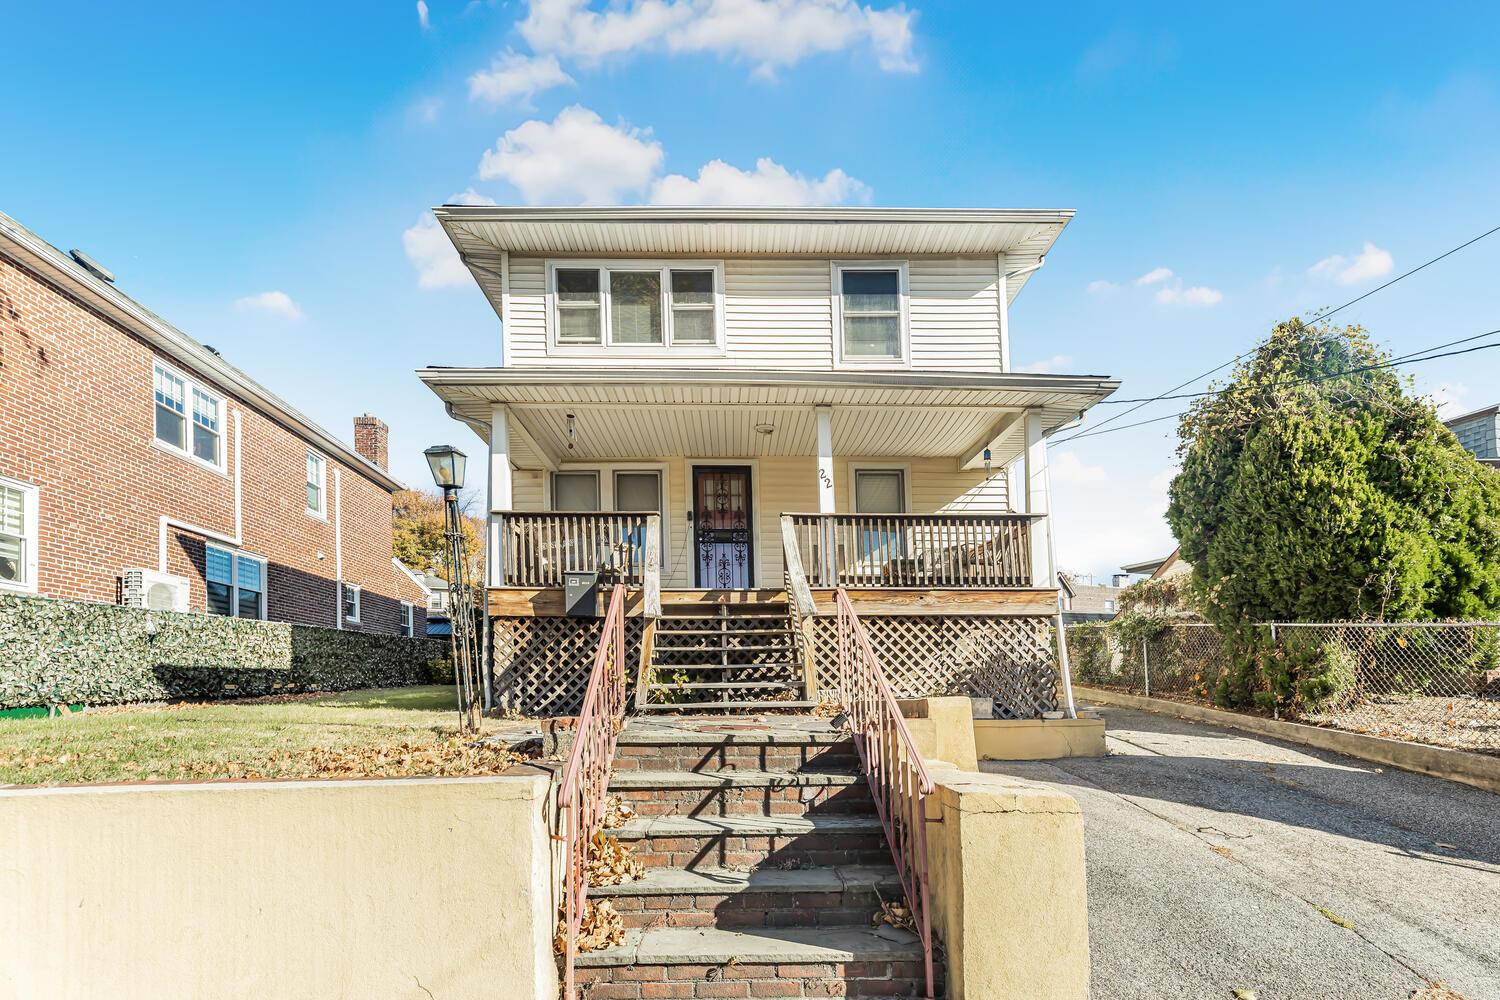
{"points": [[801, 606]]}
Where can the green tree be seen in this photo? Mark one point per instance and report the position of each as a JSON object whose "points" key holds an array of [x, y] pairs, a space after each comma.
{"points": [[1315, 487], [417, 521]]}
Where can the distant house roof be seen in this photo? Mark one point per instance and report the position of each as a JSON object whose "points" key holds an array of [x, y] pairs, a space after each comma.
{"points": [[1168, 565], [1089, 598], [88, 287], [1488, 411], [1148, 566]]}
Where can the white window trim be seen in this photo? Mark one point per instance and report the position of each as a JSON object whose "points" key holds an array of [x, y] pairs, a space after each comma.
{"points": [[29, 497], [836, 289], [221, 467], [321, 515], [358, 601], [606, 478], [855, 468], [609, 349], [408, 627], [235, 555]]}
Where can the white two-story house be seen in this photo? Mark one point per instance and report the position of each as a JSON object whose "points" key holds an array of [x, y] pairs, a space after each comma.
{"points": [[735, 412]]}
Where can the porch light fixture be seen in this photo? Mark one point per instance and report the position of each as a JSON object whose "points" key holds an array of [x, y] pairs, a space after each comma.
{"points": [[988, 469], [572, 431], [448, 466], [765, 428]]}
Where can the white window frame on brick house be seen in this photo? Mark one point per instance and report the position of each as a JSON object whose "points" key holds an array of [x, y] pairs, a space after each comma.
{"points": [[187, 410], [237, 559], [348, 591], [26, 537], [606, 345], [902, 357], [317, 480], [408, 619]]}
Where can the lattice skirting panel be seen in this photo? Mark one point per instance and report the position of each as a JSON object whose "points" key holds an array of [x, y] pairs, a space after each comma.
{"points": [[541, 665], [1011, 660]]}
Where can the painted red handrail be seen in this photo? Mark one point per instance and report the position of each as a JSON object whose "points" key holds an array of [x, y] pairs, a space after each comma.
{"points": [[898, 779], [585, 778]]}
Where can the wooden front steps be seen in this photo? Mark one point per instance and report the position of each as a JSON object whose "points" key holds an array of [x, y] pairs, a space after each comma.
{"points": [[766, 865], [722, 654]]}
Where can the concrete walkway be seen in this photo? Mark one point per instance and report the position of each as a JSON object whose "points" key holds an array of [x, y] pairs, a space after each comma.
{"points": [[1219, 861]]}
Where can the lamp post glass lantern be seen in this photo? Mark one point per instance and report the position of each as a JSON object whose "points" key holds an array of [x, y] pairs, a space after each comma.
{"points": [[447, 464]]}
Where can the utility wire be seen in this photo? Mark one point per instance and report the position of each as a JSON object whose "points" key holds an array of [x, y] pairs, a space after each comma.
{"points": [[1138, 404], [1409, 359]]}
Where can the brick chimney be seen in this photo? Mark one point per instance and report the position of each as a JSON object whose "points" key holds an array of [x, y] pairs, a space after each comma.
{"points": [[372, 439]]}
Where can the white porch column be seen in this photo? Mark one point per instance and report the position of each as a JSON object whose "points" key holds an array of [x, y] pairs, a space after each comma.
{"points": [[499, 490], [825, 459], [1034, 484]]}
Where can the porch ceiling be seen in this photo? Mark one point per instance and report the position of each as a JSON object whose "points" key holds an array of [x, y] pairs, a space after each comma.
{"points": [[643, 414]]}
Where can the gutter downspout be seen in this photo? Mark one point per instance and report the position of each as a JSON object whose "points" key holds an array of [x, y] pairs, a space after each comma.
{"points": [[239, 512], [338, 549]]}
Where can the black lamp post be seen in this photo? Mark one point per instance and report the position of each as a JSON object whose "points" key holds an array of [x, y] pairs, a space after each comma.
{"points": [[448, 466]]}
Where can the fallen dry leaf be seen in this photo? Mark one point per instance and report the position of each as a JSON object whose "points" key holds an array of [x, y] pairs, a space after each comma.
{"points": [[601, 927], [1436, 991], [617, 812], [611, 863]]}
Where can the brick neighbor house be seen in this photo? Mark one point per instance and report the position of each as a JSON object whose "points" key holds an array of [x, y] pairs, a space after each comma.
{"points": [[139, 467]]}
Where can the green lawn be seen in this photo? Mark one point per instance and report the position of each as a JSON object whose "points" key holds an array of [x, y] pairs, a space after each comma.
{"points": [[379, 731]]}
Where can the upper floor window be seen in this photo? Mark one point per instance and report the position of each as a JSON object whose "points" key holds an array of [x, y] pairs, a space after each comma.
{"points": [[194, 433], [17, 535], [236, 583], [870, 311], [636, 305], [316, 476]]}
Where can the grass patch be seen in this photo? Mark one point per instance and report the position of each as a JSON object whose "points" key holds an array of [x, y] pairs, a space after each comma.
{"points": [[379, 731]]}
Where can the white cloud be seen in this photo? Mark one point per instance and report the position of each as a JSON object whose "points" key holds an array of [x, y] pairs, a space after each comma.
{"points": [[432, 253], [574, 158], [274, 302], [425, 110], [1048, 366], [1066, 468], [1198, 295], [1372, 262], [514, 76], [769, 183], [1102, 287], [769, 33], [422, 18], [1154, 275]]}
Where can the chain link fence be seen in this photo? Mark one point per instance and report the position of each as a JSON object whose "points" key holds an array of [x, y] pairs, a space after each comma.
{"points": [[1428, 683]]}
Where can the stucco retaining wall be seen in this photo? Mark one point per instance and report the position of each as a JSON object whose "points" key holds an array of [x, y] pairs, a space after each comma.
{"points": [[303, 890]]}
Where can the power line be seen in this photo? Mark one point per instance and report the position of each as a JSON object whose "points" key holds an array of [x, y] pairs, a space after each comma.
{"points": [[1320, 316], [1409, 359]]}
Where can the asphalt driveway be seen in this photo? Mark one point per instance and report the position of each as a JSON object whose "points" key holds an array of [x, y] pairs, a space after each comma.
{"points": [[1220, 861]]}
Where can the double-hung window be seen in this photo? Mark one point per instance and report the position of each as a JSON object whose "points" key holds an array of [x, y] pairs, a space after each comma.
{"points": [[351, 598], [236, 583], [316, 478], [189, 417], [639, 492], [575, 491], [870, 303], [406, 619], [18, 546], [877, 492], [637, 305]]}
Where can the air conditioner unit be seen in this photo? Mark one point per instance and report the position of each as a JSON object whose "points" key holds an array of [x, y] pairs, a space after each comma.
{"points": [[146, 588]]}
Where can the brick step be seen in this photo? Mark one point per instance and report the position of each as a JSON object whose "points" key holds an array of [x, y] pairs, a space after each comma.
{"points": [[779, 962], [665, 745], [743, 793], [729, 899], [696, 842]]}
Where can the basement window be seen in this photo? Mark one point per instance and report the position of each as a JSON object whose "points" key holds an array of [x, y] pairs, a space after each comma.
{"points": [[351, 599], [236, 583]]}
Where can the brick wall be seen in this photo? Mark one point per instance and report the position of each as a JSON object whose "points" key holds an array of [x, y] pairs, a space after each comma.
{"points": [[77, 421]]}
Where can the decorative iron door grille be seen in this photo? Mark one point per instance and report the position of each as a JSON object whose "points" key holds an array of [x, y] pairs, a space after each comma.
{"points": [[721, 519]]}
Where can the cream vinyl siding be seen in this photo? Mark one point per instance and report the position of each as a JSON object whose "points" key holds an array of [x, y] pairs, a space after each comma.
{"points": [[786, 485], [778, 314]]}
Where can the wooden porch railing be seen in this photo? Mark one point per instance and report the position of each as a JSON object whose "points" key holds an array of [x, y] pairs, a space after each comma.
{"points": [[538, 547], [893, 766], [585, 777], [913, 550]]}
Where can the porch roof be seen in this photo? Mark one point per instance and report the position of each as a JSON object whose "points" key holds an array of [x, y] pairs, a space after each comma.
{"points": [[656, 413]]}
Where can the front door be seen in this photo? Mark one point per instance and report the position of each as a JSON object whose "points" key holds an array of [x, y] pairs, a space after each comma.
{"points": [[721, 526]]}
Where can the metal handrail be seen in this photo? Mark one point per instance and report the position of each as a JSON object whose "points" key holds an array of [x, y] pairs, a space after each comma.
{"points": [[893, 766], [585, 777]]}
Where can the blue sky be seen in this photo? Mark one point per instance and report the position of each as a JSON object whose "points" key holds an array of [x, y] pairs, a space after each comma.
{"points": [[1274, 161]]}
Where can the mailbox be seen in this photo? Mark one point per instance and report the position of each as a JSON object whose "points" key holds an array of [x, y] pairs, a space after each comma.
{"points": [[581, 594]]}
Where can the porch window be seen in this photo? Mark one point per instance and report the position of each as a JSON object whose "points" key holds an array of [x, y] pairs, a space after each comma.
{"points": [[236, 583], [575, 491], [17, 535], [870, 312], [580, 307], [876, 492], [636, 305], [636, 493]]}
